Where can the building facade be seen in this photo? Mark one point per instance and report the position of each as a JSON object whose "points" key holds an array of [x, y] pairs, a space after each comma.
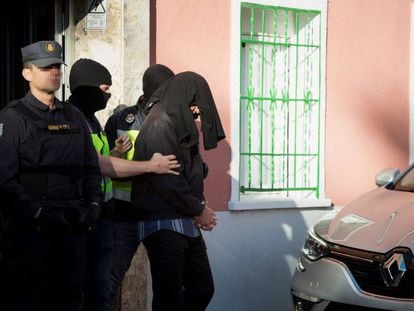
{"points": [[315, 98]]}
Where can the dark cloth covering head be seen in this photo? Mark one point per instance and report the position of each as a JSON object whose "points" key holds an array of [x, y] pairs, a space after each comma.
{"points": [[42, 53], [86, 75], [176, 94], [153, 77], [87, 72]]}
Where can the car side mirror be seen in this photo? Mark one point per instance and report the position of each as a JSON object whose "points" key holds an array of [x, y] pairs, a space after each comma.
{"points": [[386, 176]]}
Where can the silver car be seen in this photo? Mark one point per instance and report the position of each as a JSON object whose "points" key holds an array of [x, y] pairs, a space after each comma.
{"points": [[360, 257]]}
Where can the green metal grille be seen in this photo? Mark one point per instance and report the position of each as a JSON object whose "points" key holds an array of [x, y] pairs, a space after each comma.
{"points": [[280, 84]]}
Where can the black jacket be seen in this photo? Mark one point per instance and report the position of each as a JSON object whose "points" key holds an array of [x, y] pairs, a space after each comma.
{"points": [[170, 128], [166, 196]]}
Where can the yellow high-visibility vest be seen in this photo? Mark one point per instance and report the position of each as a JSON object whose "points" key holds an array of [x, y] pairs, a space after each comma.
{"points": [[100, 142], [122, 189]]}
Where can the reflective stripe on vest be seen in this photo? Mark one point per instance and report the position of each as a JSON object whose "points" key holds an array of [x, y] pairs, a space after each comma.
{"points": [[100, 142], [122, 189]]}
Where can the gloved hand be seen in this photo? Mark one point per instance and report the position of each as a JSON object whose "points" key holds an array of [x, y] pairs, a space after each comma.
{"points": [[83, 217], [92, 212], [70, 218]]}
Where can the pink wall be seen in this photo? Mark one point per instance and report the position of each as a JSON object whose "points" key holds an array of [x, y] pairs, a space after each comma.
{"points": [[367, 107], [367, 121], [195, 35]]}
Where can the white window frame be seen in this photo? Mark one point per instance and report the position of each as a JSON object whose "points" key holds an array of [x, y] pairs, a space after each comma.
{"points": [[239, 201], [411, 94]]}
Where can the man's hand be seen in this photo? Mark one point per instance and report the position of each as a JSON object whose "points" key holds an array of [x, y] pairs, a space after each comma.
{"points": [[164, 164], [207, 220], [123, 144]]}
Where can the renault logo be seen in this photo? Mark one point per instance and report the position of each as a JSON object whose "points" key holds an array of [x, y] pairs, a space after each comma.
{"points": [[394, 269]]}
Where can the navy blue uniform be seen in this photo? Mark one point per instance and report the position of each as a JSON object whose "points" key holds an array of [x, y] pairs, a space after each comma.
{"points": [[48, 161]]}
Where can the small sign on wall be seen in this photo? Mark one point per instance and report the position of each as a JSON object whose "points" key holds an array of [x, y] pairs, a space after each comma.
{"points": [[96, 14]]}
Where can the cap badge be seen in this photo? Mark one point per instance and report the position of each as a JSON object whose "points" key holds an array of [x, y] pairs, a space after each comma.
{"points": [[130, 118], [50, 47]]}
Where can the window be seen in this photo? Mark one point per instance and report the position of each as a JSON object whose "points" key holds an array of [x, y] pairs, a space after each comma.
{"points": [[280, 105]]}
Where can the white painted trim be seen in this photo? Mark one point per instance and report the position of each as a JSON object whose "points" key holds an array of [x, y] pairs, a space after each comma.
{"points": [[234, 98], [255, 204], [236, 202]]}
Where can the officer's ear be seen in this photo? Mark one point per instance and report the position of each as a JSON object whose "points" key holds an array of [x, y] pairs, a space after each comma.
{"points": [[27, 74], [27, 71]]}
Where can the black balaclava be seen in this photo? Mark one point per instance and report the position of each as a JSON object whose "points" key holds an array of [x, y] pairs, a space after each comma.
{"points": [[86, 75], [153, 77], [175, 96]]}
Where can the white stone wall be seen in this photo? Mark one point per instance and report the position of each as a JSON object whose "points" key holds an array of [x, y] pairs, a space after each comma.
{"points": [[123, 48]]}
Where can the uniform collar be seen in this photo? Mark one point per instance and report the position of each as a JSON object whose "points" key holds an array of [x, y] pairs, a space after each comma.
{"points": [[39, 105]]}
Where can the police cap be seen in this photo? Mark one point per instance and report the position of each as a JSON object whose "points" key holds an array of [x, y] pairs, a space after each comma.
{"points": [[42, 53]]}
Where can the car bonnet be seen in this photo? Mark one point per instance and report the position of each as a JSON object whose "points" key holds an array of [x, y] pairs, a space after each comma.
{"points": [[377, 221]]}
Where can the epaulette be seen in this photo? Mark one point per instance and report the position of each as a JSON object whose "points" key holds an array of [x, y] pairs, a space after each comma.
{"points": [[13, 103]]}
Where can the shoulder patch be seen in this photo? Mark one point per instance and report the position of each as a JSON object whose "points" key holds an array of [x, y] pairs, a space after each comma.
{"points": [[130, 118]]}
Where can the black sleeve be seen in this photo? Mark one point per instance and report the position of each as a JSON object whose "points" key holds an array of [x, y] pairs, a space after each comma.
{"points": [[12, 132], [111, 130], [160, 136], [92, 174]]}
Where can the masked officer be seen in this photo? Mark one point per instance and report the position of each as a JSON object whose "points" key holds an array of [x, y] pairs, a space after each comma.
{"points": [[90, 84], [48, 161]]}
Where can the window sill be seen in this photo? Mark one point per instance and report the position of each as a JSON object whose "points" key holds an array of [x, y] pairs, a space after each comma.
{"points": [[276, 203]]}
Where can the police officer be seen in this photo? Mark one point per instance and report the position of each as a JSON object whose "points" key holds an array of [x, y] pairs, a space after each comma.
{"points": [[90, 84], [48, 161], [128, 121]]}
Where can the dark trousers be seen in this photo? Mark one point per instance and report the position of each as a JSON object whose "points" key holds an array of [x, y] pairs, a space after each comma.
{"points": [[98, 267], [125, 244], [43, 270], [181, 274]]}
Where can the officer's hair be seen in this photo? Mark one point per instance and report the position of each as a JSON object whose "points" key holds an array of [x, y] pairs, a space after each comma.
{"points": [[27, 65]]}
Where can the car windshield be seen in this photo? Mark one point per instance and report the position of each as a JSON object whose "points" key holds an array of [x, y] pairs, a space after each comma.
{"points": [[407, 182]]}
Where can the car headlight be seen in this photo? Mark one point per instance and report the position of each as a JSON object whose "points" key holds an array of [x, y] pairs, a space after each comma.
{"points": [[314, 247]]}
